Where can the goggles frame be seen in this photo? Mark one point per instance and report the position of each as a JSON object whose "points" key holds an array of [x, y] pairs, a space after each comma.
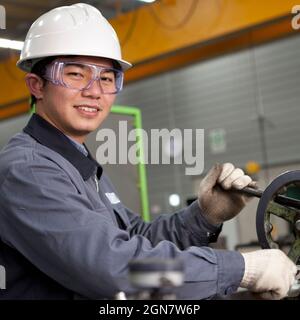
{"points": [[54, 74]]}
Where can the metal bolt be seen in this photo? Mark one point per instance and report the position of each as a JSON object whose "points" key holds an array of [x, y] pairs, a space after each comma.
{"points": [[297, 225], [268, 227]]}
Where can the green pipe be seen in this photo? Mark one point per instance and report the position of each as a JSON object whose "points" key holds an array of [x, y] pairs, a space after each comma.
{"points": [[141, 166]]}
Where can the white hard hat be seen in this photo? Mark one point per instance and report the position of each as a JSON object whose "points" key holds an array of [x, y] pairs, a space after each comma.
{"points": [[79, 29]]}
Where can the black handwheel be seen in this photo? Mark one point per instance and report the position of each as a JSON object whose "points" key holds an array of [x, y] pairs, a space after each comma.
{"points": [[287, 184]]}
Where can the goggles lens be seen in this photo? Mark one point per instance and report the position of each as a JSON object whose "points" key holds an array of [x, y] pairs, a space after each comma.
{"points": [[80, 76]]}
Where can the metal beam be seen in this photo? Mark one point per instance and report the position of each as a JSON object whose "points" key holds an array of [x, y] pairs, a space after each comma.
{"points": [[233, 42], [167, 29]]}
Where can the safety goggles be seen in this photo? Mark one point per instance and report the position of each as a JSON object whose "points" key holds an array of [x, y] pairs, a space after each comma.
{"points": [[80, 76]]}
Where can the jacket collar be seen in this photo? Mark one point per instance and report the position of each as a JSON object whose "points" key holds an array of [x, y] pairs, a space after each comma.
{"points": [[49, 136]]}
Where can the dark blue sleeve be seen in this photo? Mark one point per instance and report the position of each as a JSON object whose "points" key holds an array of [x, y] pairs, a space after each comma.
{"points": [[185, 228]]}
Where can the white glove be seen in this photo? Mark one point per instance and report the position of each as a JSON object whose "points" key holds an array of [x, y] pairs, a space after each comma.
{"points": [[217, 204], [231, 177], [269, 272]]}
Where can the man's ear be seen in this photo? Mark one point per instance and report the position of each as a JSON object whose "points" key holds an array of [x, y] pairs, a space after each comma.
{"points": [[35, 84]]}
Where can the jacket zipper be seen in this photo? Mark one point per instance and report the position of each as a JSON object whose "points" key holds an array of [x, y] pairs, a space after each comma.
{"points": [[96, 181]]}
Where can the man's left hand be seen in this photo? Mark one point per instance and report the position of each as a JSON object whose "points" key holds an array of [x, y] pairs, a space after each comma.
{"points": [[217, 203]]}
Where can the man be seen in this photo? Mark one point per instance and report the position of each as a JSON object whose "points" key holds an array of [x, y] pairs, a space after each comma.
{"points": [[61, 236]]}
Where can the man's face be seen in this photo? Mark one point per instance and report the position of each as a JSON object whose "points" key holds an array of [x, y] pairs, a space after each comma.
{"points": [[76, 113]]}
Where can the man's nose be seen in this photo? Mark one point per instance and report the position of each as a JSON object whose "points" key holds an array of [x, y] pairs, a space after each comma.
{"points": [[94, 90]]}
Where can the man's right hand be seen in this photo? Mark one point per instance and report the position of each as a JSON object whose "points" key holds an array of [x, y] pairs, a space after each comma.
{"points": [[269, 272]]}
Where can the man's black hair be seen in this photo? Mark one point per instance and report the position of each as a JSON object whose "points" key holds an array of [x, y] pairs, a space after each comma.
{"points": [[39, 69]]}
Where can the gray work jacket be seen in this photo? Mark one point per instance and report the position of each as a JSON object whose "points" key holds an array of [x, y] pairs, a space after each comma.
{"points": [[60, 212]]}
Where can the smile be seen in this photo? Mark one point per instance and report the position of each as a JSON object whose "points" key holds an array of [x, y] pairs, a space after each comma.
{"points": [[90, 109]]}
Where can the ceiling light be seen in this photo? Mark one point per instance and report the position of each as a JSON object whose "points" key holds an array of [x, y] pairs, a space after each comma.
{"points": [[174, 200], [148, 1], [11, 44]]}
